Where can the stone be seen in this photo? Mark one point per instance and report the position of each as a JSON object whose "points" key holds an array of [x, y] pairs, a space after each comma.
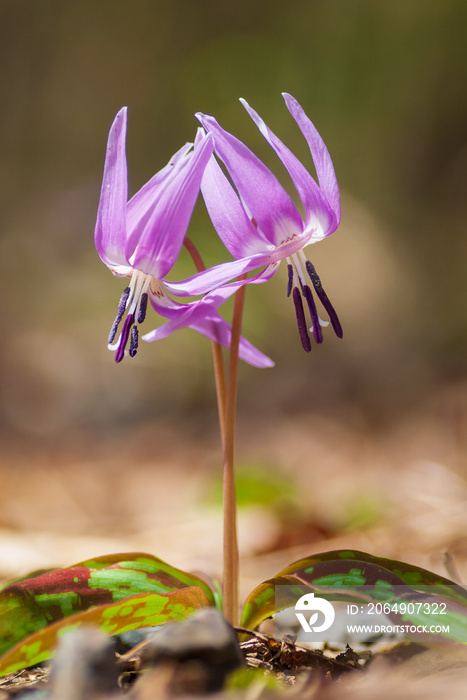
{"points": [[202, 651], [85, 666]]}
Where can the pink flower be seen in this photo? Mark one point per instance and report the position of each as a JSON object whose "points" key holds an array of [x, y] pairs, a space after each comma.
{"points": [[259, 223], [141, 239]]}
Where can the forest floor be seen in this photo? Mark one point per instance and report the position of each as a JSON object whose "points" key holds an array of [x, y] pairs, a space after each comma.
{"points": [[307, 483]]}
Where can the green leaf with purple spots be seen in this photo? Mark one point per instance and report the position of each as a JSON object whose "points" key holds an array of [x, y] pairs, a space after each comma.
{"points": [[31, 604], [142, 610], [352, 576]]}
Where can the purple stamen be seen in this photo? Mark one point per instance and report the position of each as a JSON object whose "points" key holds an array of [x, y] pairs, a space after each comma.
{"points": [[317, 332], [324, 299], [133, 341], [119, 316], [129, 321], [143, 305], [301, 321], [290, 278]]}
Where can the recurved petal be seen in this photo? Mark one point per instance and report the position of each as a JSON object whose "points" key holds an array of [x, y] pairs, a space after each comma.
{"points": [[140, 205], [218, 296], [110, 229], [263, 196], [319, 214], [227, 214], [160, 234], [217, 329], [204, 319], [218, 275], [182, 313], [320, 154]]}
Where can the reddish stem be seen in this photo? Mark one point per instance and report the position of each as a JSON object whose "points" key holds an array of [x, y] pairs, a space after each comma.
{"points": [[217, 356]]}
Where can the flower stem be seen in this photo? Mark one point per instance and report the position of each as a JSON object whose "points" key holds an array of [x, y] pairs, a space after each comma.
{"points": [[227, 405], [217, 356], [231, 567]]}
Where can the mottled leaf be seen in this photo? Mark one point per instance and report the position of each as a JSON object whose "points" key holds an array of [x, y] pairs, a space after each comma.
{"points": [[142, 610], [353, 576], [409, 573], [31, 604]]}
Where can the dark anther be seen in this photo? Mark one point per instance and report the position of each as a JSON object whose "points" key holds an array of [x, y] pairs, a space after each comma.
{"points": [[143, 305], [133, 341], [290, 279], [129, 321], [120, 312], [313, 275], [324, 299], [299, 312], [317, 332], [123, 300], [113, 330]]}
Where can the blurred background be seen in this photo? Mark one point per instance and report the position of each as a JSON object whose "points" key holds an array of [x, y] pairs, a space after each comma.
{"points": [[364, 440]]}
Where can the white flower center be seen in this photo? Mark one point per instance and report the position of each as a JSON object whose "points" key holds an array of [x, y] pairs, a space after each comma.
{"points": [[133, 302]]}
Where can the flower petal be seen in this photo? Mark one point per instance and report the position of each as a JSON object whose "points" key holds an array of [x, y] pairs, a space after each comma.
{"points": [[263, 196], [110, 230], [216, 276], [320, 154], [227, 214], [319, 214], [160, 234], [217, 329], [181, 313], [140, 205], [204, 319]]}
